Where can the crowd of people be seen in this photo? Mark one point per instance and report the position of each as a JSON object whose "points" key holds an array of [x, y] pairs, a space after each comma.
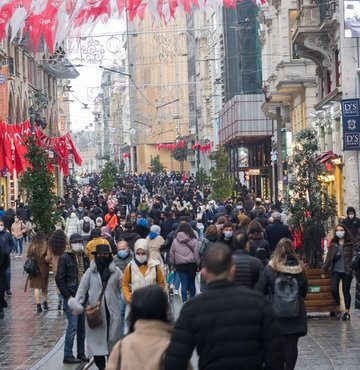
{"points": [[150, 237]]}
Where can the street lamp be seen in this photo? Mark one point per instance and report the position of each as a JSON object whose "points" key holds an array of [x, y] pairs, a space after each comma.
{"points": [[39, 101]]}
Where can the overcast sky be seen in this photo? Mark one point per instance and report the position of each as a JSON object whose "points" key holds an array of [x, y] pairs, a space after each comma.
{"points": [[86, 86]]}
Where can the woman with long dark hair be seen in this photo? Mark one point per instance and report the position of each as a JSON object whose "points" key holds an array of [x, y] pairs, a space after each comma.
{"points": [[149, 332], [184, 256], [285, 263], [57, 245], [338, 260], [38, 248]]}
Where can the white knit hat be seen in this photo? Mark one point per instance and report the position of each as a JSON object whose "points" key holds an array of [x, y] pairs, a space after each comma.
{"points": [[155, 229]]}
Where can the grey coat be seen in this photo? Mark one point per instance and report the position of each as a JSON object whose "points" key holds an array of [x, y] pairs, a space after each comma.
{"points": [[96, 344]]}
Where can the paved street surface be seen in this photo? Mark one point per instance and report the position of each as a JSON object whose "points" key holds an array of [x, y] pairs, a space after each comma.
{"points": [[29, 340]]}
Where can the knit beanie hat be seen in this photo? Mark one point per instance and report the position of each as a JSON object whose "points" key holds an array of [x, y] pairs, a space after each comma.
{"points": [[142, 244], [143, 222], [155, 229]]}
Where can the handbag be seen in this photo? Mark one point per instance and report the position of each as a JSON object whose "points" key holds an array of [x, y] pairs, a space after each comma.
{"points": [[93, 313]]}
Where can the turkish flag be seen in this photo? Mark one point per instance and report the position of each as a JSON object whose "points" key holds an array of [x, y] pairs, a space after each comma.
{"points": [[7, 138]]}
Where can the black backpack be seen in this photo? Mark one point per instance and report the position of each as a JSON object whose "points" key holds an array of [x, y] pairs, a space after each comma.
{"points": [[286, 296], [31, 267], [86, 226], [258, 251]]}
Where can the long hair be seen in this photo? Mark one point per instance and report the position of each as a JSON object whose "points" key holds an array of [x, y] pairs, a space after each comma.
{"points": [[255, 227], [284, 251], [187, 229], [148, 303], [347, 238], [57, 242], [38, 245]]}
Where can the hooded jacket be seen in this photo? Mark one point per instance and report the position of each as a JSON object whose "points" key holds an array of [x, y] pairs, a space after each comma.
{"points": [[184, 250], [352, 224], [266, 283]]}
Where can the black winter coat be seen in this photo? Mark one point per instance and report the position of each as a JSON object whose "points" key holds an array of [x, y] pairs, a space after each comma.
{"points": [[248, 269], [6, 241], [353, 225], [275, 232], [294, 325], [232, 328], [67, 274], [4, 264]]}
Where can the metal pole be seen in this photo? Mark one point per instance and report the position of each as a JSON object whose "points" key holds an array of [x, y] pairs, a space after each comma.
{"points": [[32, 120], [279, 150]]}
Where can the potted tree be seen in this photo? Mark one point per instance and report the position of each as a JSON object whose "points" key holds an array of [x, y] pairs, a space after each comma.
{"points": [[311, 211]]}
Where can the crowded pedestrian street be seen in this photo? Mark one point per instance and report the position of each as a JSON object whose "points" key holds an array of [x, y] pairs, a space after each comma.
{"points": [[35, 341]]}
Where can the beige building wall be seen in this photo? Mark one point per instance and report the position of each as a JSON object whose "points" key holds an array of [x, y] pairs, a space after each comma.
{"points": [[160, 105]]}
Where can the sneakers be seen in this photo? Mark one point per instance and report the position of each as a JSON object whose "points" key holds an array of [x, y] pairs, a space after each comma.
{"points": [[346, 316], [176, 292], [71, 360]]}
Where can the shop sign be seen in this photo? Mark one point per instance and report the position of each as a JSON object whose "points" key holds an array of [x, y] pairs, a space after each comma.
{"points": [[314, 289], [351, 123], [254, 172]]}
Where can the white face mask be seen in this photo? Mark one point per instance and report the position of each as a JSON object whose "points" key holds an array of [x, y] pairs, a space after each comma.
{"points": [[351, 216], [141, 259], [77, 247], [1, 228], [340, 234]]}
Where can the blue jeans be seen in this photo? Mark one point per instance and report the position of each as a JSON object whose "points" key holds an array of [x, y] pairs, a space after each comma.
{"points": [[18, 245], [7, 274], [122, 315], [187, 279], [75, 326]]}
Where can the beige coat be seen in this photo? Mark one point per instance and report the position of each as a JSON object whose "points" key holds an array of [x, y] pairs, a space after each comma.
{"points": [[154, 247], [143, 349], [17, 229]]}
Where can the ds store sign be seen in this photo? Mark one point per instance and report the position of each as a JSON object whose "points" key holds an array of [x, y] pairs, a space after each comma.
{"points": [[350, 109]]}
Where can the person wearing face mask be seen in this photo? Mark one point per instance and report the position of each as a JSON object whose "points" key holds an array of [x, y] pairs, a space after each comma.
{"points": [[123, 257], [18, 229], [352, 222], [71, 267], [102, 274], [338, 260], [141, 271], [227, 233]]}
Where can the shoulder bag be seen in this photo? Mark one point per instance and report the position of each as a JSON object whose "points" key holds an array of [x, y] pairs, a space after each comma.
{"points": [[93, 313]]}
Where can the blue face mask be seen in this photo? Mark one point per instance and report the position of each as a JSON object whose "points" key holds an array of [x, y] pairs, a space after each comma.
{"points": [[228, 234], [123, 253]]}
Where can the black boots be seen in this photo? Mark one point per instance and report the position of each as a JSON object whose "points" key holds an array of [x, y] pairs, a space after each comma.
{"points": [[39, 309], [46, 307]]}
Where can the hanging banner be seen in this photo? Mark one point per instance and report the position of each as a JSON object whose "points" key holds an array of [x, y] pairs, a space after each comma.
{"points": [[4, 93], [350, 109]]}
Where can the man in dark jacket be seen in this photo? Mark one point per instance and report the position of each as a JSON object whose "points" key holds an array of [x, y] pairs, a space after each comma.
{"points": [[4, 263], [276, 231], [352, 222], [71, 267], [7, 244], [231, 327], [248, 268]]}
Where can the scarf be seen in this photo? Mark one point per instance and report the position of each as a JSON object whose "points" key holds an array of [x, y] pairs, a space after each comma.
{"points": [[79, 262]]}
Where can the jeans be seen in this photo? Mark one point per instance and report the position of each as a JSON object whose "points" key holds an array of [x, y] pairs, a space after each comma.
{"points": [[187, 279], [7, 273], [76, 326], [346, 283], [122, 315], [18, 245]]}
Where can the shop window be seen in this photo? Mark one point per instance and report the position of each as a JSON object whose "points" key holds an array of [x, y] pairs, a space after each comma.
{"points": [[293, 13]]}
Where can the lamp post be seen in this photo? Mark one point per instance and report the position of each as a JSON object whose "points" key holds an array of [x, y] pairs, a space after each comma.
{"points": [[39, 101]]}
